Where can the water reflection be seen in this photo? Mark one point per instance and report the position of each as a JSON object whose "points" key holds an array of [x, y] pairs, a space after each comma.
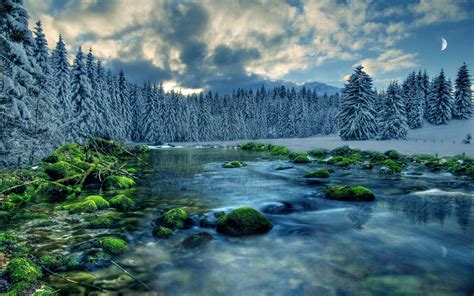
{"points": [[423, 209], [359, 215]]}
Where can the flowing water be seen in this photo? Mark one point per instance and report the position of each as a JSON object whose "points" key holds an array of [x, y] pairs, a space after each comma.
{"points": [[417, 238]]}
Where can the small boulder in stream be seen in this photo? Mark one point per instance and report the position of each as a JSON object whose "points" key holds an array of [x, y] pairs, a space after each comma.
{"points": [[349, 193], [244, 221], [196, 240]]}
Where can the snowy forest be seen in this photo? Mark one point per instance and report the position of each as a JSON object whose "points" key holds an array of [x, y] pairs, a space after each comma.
{"points": [[45, 102]]}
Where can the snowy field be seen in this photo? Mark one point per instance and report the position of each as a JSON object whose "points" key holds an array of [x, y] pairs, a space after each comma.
{"points": [[442, 140]]}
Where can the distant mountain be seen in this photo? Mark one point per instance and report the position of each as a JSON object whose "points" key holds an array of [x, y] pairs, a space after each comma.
{"points": [[321, 88]]}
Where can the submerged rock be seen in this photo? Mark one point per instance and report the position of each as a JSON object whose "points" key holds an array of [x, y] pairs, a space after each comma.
{"points": [[349, 193], [196, 240], [234, 164], [244, 221], [278, 209], [320, 173], [176, 218], [162, 232]]}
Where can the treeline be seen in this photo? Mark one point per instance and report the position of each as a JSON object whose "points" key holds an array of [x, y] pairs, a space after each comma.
{"points": [[366, 114], [46, 102]]}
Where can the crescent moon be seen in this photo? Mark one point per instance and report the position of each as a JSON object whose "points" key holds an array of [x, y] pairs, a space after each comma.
{"points": [[444, 44], [444, 251]]}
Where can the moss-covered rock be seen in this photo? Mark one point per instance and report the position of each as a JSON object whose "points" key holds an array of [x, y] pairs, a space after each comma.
{"points": [[122, 202], [118, 182], [8, 238], [299, 157], [55, 191], [349, 193], [394, 155], [279, 150], [318, 153], [45, 290], [244, 221], [392, 166], [100, 222], [88, 206], [23, 270], [340, 161], [253, 146], [114, 245], [71, 153], [62, 169], [461, 165], [104, 146], [234, 164], [196, 240], [132, 170], [52, 262], [99, 201], [320, 173], [176, 218], [162, 232]]}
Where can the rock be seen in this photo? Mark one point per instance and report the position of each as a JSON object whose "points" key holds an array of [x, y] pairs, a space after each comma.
{"points": [[234, 164], [278, 209], [281, 168], [99, 201], [176, 218], [118, 182], [162, 232], [196, 240], [4, 285], [47, 223], [114, 245], [55, 191], [122, 202], [87, 206], [321, 173], [23, 270], [349, 193], [244, 221], [62, 169]]}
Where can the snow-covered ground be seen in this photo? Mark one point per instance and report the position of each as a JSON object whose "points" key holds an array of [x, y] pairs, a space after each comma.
{"points": [[442, 140]]}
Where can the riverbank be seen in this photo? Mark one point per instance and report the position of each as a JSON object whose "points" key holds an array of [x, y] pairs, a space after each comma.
{"points": [[435, 140]]}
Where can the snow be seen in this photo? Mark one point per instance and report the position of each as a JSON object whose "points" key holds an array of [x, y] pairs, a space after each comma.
{"points": [[430, 139]]}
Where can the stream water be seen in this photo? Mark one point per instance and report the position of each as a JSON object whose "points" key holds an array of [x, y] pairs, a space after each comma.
{"points": [[417, 238]]}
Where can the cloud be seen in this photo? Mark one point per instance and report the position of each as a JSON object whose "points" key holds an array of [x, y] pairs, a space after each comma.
{"points": [[224, 44], [435, 11], [389, 61]]}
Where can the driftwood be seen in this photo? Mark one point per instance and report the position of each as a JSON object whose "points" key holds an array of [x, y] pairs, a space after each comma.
{"points": [[128, 273]]}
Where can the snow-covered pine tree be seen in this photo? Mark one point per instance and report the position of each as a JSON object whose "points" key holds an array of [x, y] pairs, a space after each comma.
{"points": [[440, 102], [153, 130], [41, 49], [357, 115], [205, 122], [393, 121], [84, 110], [413, 95], [126, 107], [61, 77], [462, 108]]}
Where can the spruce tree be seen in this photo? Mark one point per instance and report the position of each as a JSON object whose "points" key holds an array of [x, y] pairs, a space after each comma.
{"points": [[357, 115], [62, 79], [392, 120], [84, 110], [462, 108], [440, 102]]}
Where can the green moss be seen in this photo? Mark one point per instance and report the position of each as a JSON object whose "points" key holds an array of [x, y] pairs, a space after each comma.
{"points": [[340, 161], [349, 193], [21, 289], [425, 158], [299, 157], [394, 155], [461, 165], [163, 232], [259, 147], [320, 173], [114, 245], [8, 238], [345, 151], [244, 221], [71, 153], [99, 201], [87, 206], [121, 202], [132, 170], [55, 191], [376, 157], [234, 164], [318, 153], [52, 262], [175, 218], [45, 290], [23, 270], [393, 166], [100, 222], [118, 182], [62, 169], [104, 146], [279, 150]]}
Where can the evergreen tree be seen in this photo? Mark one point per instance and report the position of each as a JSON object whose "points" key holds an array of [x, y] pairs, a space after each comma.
{"points": [[83, 107], [393, 121], [462, 108], [440, 102], [41, 49], [357, 115], [62, 79]]}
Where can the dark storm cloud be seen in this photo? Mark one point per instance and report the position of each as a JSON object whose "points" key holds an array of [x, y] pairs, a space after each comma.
{"points": [[224, 55], [140, 71]]}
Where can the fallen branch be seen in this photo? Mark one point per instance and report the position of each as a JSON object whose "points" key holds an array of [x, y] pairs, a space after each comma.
{"points": [[128, 273]]}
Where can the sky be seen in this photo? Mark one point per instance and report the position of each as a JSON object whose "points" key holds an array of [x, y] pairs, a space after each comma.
{"points": [[225, 44]]}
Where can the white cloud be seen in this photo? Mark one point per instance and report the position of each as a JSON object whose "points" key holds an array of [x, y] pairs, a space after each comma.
{"points": [[434, 11], [389, 61]]}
